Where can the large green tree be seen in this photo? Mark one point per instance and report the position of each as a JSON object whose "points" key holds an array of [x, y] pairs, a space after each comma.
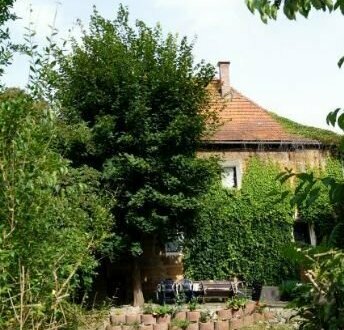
{"points": [[143, 106]]}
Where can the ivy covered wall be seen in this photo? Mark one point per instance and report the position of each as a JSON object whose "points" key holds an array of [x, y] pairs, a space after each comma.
{"points": [[321, 211], [243, 232]]}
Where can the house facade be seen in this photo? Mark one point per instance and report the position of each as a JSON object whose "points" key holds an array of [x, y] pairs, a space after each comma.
{"points": [[245, 130]]}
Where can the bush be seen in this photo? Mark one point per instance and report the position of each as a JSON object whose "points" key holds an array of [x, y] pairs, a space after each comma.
{"points": [[54, 219]]}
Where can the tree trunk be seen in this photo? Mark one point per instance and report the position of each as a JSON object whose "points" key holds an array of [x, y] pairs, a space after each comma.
{"points": [[137, 287]]}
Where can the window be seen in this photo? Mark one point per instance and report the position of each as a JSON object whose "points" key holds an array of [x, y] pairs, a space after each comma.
{"points": [[231, 174], [301, 233], [229, 177], [304, 233], [174, 247]]}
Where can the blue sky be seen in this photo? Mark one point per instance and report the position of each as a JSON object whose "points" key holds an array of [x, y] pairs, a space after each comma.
{"points": [[287, 67]]}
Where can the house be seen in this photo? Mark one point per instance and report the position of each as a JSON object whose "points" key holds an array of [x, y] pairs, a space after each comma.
{"points": [[245, 130]]}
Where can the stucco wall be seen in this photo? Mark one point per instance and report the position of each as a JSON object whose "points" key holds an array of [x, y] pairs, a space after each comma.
{"points": [[298, 160], [155, 266]]}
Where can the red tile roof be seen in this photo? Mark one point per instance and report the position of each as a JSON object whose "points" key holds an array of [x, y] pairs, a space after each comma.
{"points": [[242, 120]]}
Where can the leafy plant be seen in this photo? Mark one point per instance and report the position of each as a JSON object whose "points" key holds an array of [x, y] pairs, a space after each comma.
{"points": [[288, 289], [192, 305], [320, 302], [180, 298], [135, 325], [55, 219], [180, 324], [268, 9], [162, 310], [148, 308], [205, 316], [236, 302]]}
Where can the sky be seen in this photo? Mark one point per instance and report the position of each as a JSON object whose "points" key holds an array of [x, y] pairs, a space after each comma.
{"points": [[289, 67]]}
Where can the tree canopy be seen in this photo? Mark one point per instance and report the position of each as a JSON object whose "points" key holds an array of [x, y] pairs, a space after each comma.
{"points": [[142, 103], [268, 9], [6, 47]]}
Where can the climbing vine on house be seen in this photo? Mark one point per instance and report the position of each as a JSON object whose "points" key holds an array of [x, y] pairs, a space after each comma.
{"points": [[244, 232], [320, 210]]}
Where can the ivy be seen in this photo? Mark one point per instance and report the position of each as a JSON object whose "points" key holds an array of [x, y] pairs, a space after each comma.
{"points": [[244, 232], [322, 211]]}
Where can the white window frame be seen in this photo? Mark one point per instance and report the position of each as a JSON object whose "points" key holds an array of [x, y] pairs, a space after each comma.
{"points": [[238, 173]]}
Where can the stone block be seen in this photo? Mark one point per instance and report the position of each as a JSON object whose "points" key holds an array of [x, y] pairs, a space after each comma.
{"points": [[113, 327], [193, 316], [222, 325], [235, 324], [237, 313], [180, 315], [250, 307], [163, 318], [148, 319], [193, 326], [248, 320], [128, 327], [132, 318], [117, 319], [160, 326], [206, 326], [224, 314], [146, 327]]}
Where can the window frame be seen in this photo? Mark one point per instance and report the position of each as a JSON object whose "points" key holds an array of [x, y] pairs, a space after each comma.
{"points": [[236, 164]]}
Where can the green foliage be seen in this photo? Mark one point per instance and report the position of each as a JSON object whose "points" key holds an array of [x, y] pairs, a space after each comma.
{"points": [[5, 14], [326, 137], [236, 302], [53, 219], [148, 308], [6, 47], [192, 305], [142, 103], [288, 289], [316, 205], [320, 302], [162, 310], [243, 232], [205, 316], [268, 9], [180, 324]]}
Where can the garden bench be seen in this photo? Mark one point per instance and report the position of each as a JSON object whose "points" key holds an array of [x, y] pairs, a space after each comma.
{"points": [[217, 289]]}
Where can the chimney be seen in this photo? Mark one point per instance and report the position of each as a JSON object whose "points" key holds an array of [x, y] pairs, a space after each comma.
{"points": [[224, 78]]}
